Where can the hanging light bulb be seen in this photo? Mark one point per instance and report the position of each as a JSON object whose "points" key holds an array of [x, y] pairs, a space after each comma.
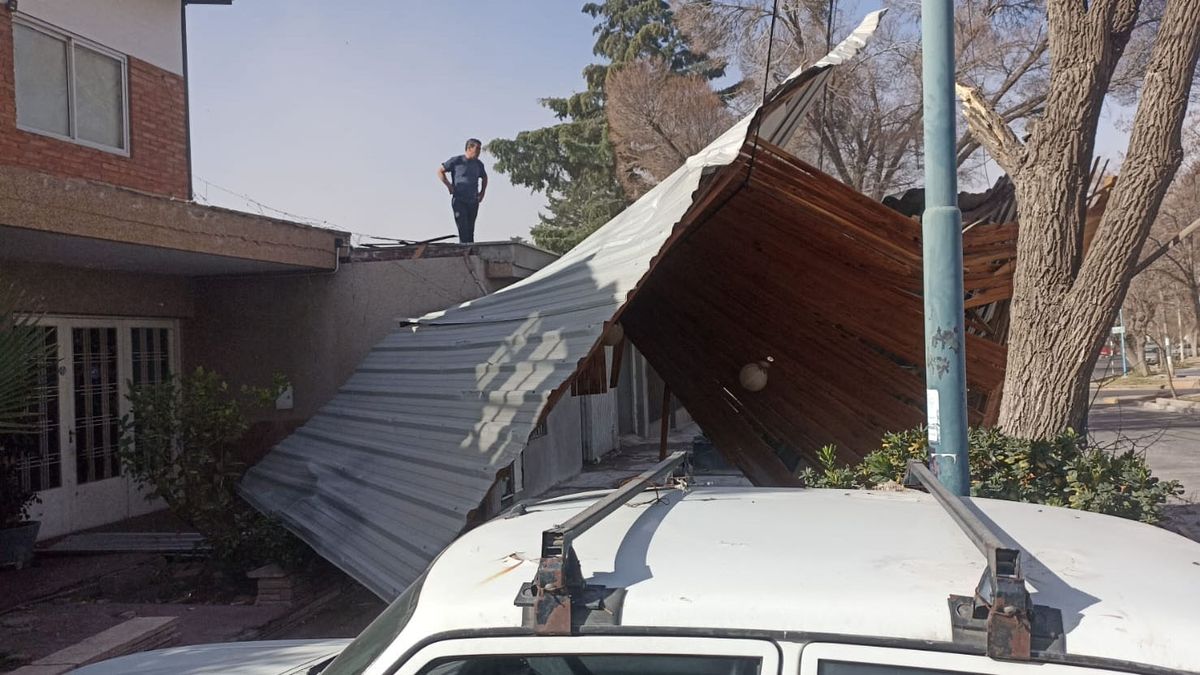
{"points": [[753, 376], [614, 334]]}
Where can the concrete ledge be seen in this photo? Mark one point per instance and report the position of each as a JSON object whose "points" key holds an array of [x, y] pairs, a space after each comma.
{"points": [[1167, 404], [1172, 405], [135, 635], [1110, 400], [70, 206]]}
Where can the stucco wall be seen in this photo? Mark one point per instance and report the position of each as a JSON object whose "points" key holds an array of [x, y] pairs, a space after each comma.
{"points": [[315, 329], [71, 290]]}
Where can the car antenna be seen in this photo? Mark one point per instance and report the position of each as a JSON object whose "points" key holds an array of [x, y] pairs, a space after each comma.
{"points": [[1000, 613], [557, 600]]}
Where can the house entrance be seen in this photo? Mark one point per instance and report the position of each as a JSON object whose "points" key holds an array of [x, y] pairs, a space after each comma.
{"points": [[72, 459]]}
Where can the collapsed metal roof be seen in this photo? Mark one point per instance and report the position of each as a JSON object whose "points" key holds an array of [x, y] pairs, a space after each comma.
{"points": [[384, 476]]}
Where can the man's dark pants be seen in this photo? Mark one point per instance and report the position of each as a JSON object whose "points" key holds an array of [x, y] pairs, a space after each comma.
{"points": [[465, 210]]}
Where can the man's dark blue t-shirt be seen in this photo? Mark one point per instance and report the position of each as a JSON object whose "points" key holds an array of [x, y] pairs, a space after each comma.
{"points": [[465, 174]]}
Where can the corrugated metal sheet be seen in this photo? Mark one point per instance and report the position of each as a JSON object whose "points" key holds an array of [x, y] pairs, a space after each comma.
{"points": [[384, 476]]}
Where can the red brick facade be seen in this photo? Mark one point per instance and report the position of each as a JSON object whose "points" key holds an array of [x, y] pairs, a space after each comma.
{"points": [[157, 161]]}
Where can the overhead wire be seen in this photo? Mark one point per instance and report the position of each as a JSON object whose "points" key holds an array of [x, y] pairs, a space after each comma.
{"points": [[262, 207], [765, 91]]}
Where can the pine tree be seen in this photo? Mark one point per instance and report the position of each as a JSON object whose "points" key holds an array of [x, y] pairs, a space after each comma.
{"points": [[572, 162]]}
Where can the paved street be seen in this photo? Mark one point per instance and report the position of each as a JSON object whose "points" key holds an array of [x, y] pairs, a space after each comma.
{"points": [[1106, 366], [1171, 439]]}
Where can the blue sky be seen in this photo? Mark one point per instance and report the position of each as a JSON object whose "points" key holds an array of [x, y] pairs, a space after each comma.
{"points": [[341, 112]]}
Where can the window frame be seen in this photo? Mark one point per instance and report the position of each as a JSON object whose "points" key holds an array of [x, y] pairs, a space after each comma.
{"points": [[766, 651], [812, 654], [72, 41]]}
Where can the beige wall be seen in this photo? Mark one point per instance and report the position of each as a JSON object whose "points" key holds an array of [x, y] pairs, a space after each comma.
{"points": [[315, 329], [70, 290]]}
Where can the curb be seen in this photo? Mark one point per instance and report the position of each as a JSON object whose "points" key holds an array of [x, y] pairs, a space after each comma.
{"points": [[1171, 405], [1142, 398]]}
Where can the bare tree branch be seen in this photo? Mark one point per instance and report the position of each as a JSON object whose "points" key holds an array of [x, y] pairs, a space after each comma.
{"points": [[1171, 243], [990, 129]]}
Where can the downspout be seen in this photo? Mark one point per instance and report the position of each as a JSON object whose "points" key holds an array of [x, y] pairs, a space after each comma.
{"points": [[941, 240], [187, 102]]}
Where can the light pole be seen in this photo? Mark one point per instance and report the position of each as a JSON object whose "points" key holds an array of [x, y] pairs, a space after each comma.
{"points": [[941, 238]]}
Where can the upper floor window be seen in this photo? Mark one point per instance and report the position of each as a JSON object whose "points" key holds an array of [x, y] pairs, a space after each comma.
{"points": [[69, 88]]}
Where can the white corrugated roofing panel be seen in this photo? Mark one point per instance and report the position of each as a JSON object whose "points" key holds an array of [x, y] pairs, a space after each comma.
{"points": [[382, 477]]}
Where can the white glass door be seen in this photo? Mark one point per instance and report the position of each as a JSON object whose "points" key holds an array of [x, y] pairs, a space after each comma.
{"points": [[76, 466], [93, 436]]}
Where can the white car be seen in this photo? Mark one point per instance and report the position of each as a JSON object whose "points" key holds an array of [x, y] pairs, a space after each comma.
{"points": [[754, 581]]}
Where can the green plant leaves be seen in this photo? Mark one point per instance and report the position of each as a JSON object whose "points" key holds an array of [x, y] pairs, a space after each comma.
{"points": [[1062, 471], [181, 441]]}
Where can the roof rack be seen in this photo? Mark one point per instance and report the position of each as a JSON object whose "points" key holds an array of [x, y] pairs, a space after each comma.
{"points": [[999, 614], [558, 601]]}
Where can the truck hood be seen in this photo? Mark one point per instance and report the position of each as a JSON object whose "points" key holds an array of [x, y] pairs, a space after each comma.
{"points": [[274, 657]]}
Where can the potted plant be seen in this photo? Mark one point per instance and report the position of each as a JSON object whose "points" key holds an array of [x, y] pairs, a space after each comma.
{"points": [[17, 533], [22, 349]]}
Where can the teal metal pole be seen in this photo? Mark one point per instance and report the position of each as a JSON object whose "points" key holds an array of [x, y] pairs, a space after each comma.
{"points": [[1124, 362], [941, 236]]}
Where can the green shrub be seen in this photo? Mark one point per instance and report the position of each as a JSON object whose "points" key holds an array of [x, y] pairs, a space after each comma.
{"points": [[180, 441], [1062, 471], [23, 351]]}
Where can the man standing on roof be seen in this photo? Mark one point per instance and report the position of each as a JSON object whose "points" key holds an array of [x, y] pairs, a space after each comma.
{"points": [[466, 172]]}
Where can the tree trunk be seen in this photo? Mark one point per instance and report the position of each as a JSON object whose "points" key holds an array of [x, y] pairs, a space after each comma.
{"points": [[1194, 294], [1046, 388], [1135, 353], [1064, 302]]}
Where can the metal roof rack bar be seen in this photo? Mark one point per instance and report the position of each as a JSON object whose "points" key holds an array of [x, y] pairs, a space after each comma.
{"points": [[1001, 607], [558, 597]]}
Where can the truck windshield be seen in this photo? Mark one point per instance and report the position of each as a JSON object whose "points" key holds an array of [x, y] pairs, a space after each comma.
{"points": [[383, 630]]}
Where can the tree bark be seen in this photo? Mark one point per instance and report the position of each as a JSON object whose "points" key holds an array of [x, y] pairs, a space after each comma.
{"points": [[1063, 302], [1135, 353]]}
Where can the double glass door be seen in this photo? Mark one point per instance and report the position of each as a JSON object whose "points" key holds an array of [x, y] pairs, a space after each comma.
{"points": [[73, 458]]}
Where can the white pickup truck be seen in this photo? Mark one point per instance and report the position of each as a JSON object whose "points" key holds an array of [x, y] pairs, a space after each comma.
{"points": [[682, 580]]}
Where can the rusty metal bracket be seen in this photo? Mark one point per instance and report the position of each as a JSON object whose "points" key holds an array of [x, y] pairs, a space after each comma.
{"points": [[1000, 613], [557, 601]]}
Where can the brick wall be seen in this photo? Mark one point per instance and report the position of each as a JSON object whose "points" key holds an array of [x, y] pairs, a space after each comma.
{"points": [[157, 161]]}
